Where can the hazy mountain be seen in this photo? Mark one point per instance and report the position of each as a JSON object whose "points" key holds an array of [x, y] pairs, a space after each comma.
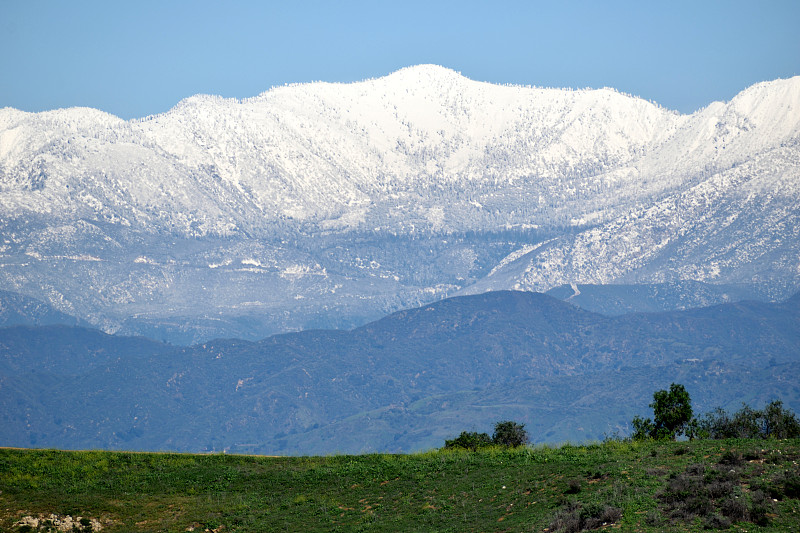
{"points": [[405, 382], [617, 299], [16, 309], [327, 205], [68, 351]]}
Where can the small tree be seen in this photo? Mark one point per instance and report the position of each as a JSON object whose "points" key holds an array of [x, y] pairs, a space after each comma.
{"points": [[779, 422], [511, 434], [672, 413], [643, 428]]}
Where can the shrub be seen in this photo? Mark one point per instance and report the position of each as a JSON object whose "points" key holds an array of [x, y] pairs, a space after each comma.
{"points": [[716, 521], [791, 485], [574, 517], [751, 455], [643, 428], [693, 492], [672, 411], [713, 495], [734, 508], [783, 485], [573, 486], [653, 518], [567, 519], [469, 440], [731, 458], [507, 433], [760, 507], [779, 423], [511, 434], [774, 421]]}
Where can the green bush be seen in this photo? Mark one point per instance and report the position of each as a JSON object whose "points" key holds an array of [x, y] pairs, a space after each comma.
{"points": [[507, 433], [779, 423], [791, 485], [716, 521], [735, 508], [511, 434], [672, 417], [784, 485], [774, 421], [643, 428], [469, 440], [731, 458]]}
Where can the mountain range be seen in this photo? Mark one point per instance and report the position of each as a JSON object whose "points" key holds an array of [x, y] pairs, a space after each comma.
{"points": [[403, 383], [330, 205]]}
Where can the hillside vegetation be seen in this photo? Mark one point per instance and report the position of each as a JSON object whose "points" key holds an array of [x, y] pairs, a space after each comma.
{"points": [[751, 485]]}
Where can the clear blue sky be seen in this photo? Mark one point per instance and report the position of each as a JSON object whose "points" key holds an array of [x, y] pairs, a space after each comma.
{"points": [[139, 57]]}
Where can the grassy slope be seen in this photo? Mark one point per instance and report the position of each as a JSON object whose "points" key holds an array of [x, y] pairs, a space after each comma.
{"points": [[492, 490]]}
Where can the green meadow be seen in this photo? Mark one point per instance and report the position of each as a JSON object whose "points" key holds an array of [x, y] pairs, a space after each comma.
{"points": [[738, 485]]}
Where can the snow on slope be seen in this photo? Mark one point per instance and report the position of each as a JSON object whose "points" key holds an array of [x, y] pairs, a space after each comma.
{"points": [[332, 153], [394, 191], [722, 135], [738, 226]]}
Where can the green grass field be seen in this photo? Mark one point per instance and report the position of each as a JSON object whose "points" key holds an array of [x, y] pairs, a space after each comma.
{"points": [[656, 486]]}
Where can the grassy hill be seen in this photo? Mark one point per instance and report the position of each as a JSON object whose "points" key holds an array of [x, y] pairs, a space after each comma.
{"points": [[649, 486]]}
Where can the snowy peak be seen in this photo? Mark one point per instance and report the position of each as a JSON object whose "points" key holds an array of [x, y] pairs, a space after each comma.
{"points": [[422, 75], [366, 197], [344, 156], [772, 107], [327, 153], [774, 104], [723, 135]]}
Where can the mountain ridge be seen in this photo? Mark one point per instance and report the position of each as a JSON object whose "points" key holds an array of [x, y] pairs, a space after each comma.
{"points": [[350, 201], [311, 91], [405, 382]]}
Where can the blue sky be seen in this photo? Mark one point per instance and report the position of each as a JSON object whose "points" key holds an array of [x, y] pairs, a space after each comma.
{"points": [[135, 58]]}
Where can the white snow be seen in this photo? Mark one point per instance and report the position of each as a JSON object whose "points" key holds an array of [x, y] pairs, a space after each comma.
{"points": [[646, 193]]}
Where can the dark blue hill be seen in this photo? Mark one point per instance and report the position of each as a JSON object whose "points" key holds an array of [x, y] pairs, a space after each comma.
{"points": [[404, 382], [16, 309]]}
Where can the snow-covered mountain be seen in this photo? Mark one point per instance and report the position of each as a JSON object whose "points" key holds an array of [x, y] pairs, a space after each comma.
{"points": [[327, 204], [740, 225]]}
